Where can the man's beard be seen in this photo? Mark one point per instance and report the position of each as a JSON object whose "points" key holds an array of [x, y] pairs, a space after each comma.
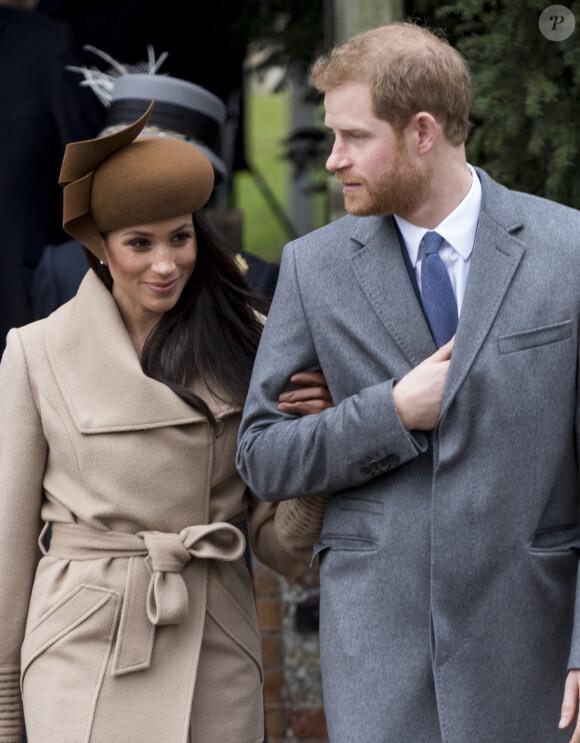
{"points": [[401, 190]]}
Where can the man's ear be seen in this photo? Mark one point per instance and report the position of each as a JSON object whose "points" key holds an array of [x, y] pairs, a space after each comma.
{"points": [[426, 131]]}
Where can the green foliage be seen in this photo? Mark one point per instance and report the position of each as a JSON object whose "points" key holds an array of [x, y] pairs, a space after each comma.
{"points": [[288, 34], [267, 116], [526, 92], [264, 232]]}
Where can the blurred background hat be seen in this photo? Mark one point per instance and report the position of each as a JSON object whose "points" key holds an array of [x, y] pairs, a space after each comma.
{"points": [[182, 110]]}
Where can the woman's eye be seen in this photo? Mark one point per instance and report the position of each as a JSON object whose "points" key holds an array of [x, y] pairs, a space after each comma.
{"points": [[181, 237], [139, 244]]}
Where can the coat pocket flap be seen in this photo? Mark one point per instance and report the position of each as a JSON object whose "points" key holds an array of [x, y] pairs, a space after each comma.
{"points": [[557, 539], [536, 337], [345, 543], [75, 608], [233, 620]]}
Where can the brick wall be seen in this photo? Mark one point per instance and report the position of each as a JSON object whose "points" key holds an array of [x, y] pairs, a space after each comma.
{"points": [[288, 619]]}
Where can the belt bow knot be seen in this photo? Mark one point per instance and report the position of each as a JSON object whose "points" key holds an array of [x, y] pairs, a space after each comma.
{"points": [[155, 591], [167, 555]]}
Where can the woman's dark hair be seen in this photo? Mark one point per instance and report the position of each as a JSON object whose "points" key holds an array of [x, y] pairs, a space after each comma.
{"points": [[212, 333]]}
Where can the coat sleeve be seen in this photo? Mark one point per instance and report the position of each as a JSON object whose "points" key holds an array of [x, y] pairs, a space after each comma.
{"points": [[283, 456], [282, 535], [23, 452]]}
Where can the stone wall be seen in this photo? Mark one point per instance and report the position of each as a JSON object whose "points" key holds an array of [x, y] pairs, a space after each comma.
{"points": [[288, 619]]}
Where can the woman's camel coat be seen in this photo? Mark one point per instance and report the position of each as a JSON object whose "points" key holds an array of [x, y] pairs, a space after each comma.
{"points": [[139, 623]]}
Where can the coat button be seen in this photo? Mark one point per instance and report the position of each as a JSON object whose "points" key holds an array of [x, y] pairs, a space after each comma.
{"points": [[391, 460], [365, 471]]}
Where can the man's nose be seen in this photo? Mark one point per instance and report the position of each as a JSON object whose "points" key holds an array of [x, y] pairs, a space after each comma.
{"points": [[338, 158]]}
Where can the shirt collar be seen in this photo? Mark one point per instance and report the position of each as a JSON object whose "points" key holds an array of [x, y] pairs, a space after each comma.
{"points": [[457, 229]]}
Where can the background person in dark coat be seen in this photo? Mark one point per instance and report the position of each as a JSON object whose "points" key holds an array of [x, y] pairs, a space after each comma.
{"points": [[43, 108]]}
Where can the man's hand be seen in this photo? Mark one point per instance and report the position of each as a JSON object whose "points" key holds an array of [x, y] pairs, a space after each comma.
{"points": [[313, 397], [419, 394], [570, 704]]}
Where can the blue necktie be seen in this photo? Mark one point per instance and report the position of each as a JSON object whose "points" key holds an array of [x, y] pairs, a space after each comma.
{"points": [[438, 297]]}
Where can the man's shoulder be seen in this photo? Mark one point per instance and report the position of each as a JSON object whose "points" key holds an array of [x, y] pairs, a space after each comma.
{"points": [[338, 235], [541, 208], [532, 208], [341, 227]]}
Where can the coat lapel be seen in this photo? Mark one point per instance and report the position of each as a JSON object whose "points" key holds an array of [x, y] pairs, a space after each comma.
{"points": [[496, 256], [380, 269], [98, 371]]}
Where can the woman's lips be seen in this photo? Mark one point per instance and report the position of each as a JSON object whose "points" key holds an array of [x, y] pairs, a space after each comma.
{"points": [[162, 287]]}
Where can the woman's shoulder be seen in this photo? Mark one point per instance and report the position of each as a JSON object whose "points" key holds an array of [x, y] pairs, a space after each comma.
{"points": [[25, 347], [35, 331], [75, 317], [27, 334]]}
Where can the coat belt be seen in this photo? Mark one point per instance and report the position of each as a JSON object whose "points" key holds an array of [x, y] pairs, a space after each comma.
{"points": [[155, 592]]}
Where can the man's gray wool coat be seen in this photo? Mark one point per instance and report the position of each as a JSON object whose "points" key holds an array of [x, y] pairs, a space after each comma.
{"points": [[448, 560]]}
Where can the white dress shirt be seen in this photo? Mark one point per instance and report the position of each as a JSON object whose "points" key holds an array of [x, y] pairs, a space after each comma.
{"points": [[458, 232]]}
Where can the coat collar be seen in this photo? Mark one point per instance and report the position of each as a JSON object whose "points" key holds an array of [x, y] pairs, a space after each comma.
{"points": [[99, 374], [497, 253], [380, 269]]}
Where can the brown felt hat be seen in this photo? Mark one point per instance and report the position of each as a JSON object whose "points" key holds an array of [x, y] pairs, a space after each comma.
{"points": [[119, 181]]}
